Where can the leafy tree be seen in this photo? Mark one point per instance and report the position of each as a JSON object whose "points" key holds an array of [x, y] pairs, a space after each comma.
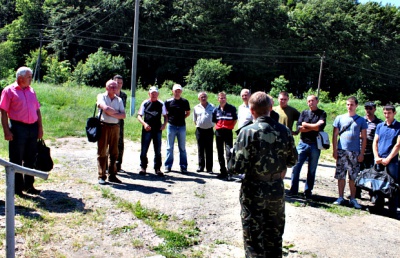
{"points": [[209, 75]]}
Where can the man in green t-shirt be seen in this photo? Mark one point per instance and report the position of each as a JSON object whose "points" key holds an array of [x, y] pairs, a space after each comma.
{"points": [[287, 114]]}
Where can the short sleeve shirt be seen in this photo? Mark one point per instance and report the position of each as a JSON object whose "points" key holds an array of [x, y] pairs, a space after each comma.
{"points": [[176, 109], [287, 115], [387, 138], [152, 112], [116, 103], [203, 116], [350, 139], [20, 104], [311, 117], [244, 115]]}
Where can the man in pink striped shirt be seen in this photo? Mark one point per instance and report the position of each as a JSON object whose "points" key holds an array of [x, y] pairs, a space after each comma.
{"points": [[22, 126]]}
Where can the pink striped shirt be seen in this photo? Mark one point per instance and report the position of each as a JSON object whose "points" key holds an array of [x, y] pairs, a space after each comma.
{"points": [[20, 104]]}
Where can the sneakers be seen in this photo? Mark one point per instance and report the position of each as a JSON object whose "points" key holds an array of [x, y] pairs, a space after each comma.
{"points": [[339, 201], [142, 171], [167, 170], [101, 181], [114, 179], [355, 204]]}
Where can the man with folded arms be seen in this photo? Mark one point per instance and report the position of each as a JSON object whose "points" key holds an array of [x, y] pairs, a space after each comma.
{"points": [[112, 111]]}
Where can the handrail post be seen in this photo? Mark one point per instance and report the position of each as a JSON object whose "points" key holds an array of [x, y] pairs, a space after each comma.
{"points": [[10, 212]]}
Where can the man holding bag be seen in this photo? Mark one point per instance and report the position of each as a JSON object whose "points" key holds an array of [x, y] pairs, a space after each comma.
{"points": [[386, 148], [310, 122]]}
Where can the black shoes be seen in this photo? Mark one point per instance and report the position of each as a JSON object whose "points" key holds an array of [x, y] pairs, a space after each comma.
{"points": [[184, 171], [222, 175], [34, 191], [200, 169], [114, 179]]}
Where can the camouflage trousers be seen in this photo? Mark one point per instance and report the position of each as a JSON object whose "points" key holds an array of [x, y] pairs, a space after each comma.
{"points": [[263, 218]]}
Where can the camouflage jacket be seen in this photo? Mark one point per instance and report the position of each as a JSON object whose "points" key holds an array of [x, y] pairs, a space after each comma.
{"points": [[262, 148]]}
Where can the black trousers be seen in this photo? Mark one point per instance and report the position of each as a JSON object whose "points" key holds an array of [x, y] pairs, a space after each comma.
{"points": [[224, 141], [22, 151], [205, 141], [120, 145]]}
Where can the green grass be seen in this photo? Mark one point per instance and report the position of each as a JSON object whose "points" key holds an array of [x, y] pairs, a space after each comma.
{"points": [[65, 110]]}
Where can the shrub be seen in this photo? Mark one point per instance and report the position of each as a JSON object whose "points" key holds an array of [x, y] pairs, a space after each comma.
{"points": [[168, 84], [98, 68], [209, 75], [323, 95], [58, 72], [278, 84]]}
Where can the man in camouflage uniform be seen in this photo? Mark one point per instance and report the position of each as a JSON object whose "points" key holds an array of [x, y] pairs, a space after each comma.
{"points": [[263, 151]]}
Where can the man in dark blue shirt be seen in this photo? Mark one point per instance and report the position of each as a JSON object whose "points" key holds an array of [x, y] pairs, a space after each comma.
{"points": [[386, 148]]}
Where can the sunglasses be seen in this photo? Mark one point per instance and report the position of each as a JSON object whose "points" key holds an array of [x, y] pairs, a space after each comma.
{"points": [[369, 108]]}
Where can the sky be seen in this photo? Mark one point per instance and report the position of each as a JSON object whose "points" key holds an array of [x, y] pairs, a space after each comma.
{"points": [[384, 2]]}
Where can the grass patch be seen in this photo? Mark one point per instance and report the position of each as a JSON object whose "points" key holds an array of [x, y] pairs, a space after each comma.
{"points": [[175, 241], [342, 210], [202, 196], [123, 229]]}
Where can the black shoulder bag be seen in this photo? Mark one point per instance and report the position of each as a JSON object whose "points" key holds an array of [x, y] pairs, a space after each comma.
{"points": [[93, 127], [43, 161]]}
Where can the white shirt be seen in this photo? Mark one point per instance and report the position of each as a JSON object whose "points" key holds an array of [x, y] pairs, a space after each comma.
{"points": [[244, 115]]}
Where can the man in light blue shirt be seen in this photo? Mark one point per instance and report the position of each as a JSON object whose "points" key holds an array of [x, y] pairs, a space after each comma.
{"points": [[349, 151]]}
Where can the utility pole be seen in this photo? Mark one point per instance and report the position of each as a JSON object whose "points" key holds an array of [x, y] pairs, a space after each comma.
{"points": [[37, 67], [320, 73], [134, 57]]}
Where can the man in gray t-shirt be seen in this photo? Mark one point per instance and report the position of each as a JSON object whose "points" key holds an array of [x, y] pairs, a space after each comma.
{"points": [[348, 151]]}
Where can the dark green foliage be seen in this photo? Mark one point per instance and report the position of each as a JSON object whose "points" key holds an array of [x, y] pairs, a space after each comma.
{"points": [[209, 75], [99, 68]]}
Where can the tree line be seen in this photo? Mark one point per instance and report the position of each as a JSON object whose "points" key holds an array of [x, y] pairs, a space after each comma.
{"points": [[259, 40]]}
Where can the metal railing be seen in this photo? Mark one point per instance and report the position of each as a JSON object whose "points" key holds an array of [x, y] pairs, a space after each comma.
{"points": [[11, 169]]}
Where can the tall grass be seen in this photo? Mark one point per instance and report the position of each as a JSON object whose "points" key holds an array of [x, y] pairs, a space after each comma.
{"points": [[65, 110]]}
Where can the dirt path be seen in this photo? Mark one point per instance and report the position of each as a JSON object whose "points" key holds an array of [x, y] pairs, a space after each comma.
{"points": [[311, 231]]}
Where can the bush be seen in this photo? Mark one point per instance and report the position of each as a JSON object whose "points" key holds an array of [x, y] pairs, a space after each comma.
{"points": [[323, 95], [168, 84], [209, 75], [98, 68], [58, 72], [278, 85]]}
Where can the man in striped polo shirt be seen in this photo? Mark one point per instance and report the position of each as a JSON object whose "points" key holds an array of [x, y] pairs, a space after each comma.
{"points": [[225, 118]]}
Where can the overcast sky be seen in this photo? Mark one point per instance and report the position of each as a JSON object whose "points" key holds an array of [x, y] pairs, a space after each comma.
{"points": [[384, 2]]}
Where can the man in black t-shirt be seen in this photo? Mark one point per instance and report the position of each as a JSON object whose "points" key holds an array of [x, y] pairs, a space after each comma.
{"points": [[149, 116], [310, 122], [178, 109]]}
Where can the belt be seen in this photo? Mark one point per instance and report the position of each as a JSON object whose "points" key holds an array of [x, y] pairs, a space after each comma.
{"points": [[109, 124], [21, 123], [266, 178]]}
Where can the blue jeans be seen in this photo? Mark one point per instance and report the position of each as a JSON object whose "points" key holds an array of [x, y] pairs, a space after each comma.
{"points": [[147, 137], [310, 152], [180, 133]]}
